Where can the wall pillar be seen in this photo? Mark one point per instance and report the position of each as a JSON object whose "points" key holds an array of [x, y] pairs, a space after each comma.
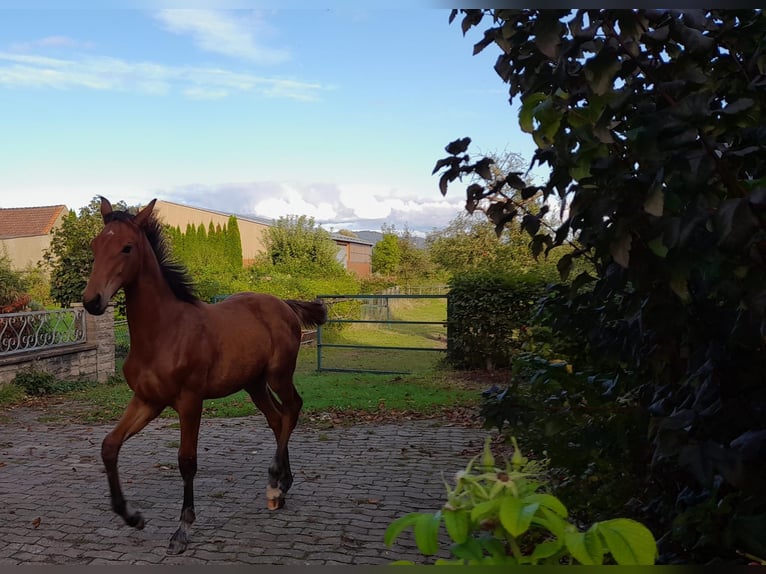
{"points": [[99, 331]]}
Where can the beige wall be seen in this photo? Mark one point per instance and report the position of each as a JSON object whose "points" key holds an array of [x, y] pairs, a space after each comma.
{"points": [[250, 232], [25, 251]]}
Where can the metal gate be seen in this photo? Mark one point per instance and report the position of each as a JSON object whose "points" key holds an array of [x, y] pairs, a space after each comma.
{"points": [[379, 310]]}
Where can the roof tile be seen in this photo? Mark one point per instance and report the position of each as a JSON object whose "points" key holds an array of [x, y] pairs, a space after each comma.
{"points": [[28, 221]]}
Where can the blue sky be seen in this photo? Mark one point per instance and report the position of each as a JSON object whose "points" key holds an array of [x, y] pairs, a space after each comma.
{"points": [[339, 114]]}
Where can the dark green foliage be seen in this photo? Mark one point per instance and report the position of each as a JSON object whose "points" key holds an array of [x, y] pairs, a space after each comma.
{"points": [[591, 427], [38, 383], [12, 283], [213, 257], [232, 243], [488, 314], [652, 124]]}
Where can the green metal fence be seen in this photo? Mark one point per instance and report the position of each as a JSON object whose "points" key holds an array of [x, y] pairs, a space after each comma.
{"points": [[376, 311]]}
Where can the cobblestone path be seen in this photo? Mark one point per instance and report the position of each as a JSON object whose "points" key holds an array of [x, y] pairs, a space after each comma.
{"points": [[350, 483]]}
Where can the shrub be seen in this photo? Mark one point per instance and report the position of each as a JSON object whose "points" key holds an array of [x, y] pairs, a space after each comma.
{"points": [[488, 313], [589, 425], [38, 383]]}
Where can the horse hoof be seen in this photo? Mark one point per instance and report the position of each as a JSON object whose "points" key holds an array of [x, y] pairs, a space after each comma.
{"points": [[275, 498], [176, 547], [178, 543], [136, 521]]}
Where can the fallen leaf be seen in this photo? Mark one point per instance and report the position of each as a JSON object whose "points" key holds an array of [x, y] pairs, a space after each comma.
{"points": [[36, 522]]}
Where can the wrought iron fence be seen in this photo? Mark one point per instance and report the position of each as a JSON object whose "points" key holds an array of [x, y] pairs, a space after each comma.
{"points": [[37, 330]]}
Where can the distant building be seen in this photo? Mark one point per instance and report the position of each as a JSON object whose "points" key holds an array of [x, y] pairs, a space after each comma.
{"points": [[354, 253], [25, 232]]}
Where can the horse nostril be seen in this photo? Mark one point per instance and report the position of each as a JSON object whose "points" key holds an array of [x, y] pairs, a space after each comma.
{"points": [[94, 305]]}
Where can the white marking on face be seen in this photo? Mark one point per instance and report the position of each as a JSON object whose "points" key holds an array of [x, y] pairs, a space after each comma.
{"points": [[110, 232]]}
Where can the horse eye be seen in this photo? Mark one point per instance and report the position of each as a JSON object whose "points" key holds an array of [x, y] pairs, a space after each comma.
{"points": [[127, 249]]}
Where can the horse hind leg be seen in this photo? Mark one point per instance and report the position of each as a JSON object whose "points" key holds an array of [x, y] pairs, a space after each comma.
{"points": [[280, 474], [282, 418]]}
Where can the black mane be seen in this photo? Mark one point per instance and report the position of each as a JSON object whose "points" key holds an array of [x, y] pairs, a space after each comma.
{"points": [[175, 274]]}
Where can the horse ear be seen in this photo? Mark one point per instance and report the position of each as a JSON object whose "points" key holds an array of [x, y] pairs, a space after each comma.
{"points": [[143, 216], [106, 207]]}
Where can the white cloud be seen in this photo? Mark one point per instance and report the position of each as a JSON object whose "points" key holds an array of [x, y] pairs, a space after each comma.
{"points": [[352, 206], [104, 73], [51, 42], [227, 33], [292, 201]]}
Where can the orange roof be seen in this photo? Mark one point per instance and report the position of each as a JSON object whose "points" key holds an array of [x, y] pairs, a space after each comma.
{"points": [[28, 221]]}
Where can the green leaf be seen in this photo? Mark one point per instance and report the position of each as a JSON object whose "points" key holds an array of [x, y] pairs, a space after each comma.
{"points": [[658, 247], [547, 501], [629, 542], [456, 522], [527, 111], [738, 105], [551, 522], [548, 31], [468, 550], [601, 69], [484, 509], [426, 533], [516, 516], [655, 202], [584, 547], [487, 460], [620, 250], [546, 550], [397, 526], [564, 265]]}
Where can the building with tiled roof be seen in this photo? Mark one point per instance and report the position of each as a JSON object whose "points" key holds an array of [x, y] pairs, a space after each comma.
{"points": [[25, 232]]}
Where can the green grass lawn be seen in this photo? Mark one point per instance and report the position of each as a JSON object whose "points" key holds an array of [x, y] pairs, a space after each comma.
{"points": [[424, 393], [426, 336]]}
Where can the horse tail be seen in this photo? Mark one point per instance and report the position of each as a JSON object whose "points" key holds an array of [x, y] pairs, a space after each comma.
{"points": [[310, 313]]}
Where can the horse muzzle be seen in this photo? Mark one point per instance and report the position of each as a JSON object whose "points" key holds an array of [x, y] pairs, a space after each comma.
{"points": [[96, 305]]}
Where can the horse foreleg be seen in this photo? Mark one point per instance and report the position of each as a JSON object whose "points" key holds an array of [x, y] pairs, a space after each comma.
{"points": [[137, 415], [189, 413]]}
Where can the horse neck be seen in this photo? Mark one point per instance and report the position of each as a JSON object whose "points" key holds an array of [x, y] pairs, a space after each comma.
{"points": [[149, 302]]}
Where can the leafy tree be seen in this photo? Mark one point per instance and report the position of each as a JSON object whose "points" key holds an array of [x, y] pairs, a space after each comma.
{"points": [[387, 254], [13, 285], [69, 257], [470, 243], [652, 125], [232, 241], [414, 261], [297, 245]]}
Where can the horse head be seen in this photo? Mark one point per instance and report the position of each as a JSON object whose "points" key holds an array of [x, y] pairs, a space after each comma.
{"points": [[117, 254]]}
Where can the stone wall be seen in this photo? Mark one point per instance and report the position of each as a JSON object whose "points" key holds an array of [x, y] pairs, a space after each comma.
{"points": [[93, 359]]}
